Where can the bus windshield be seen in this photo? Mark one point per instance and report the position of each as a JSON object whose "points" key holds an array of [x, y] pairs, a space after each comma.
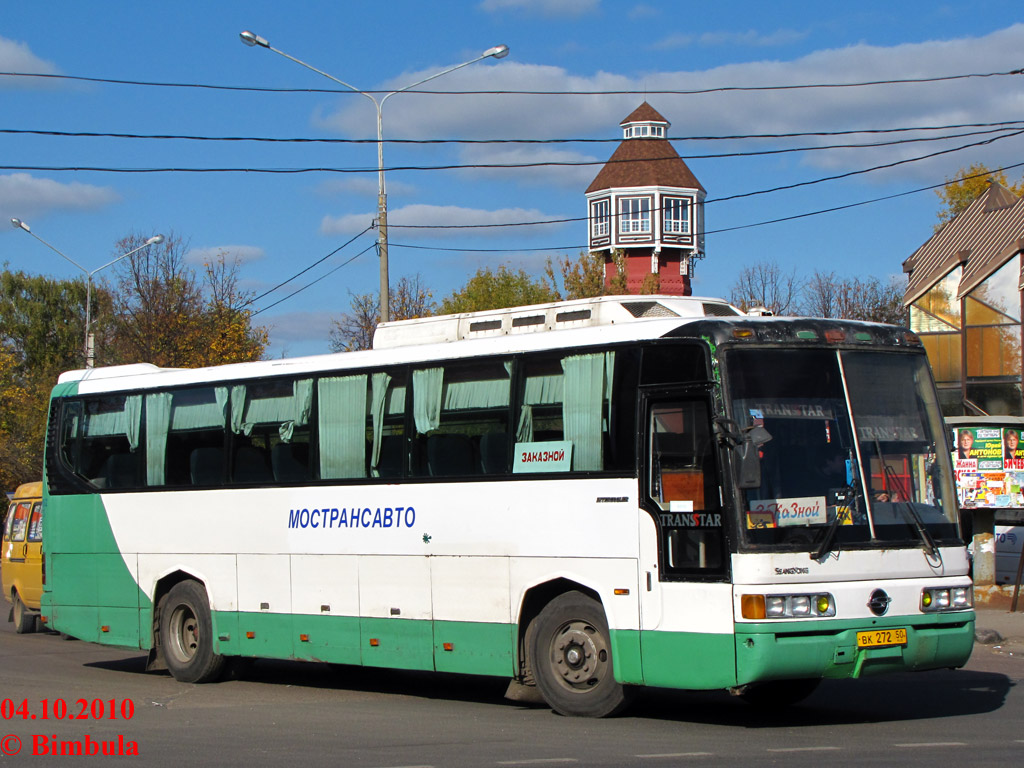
{"points": [[854, 454]]}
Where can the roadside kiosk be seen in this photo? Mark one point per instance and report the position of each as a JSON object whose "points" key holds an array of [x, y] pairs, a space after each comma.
{"points": [[988, 455]]}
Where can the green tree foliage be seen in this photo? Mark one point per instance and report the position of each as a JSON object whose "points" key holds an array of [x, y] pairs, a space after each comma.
{"points": [[42, 333], [584, 278], [966, 185], [407, 299], [495, 289], [163, 313]]}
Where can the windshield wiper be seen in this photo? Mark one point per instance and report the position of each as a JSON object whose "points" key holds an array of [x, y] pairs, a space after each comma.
{"points": [[904, 505], [823, 542]]}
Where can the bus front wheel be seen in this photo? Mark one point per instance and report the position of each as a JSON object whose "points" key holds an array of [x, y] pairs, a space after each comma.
{"points": [[571, 658], [24, 619], [186, 634]]}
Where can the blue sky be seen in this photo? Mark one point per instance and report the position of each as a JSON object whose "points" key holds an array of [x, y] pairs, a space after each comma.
{"points": [[280, 224]]}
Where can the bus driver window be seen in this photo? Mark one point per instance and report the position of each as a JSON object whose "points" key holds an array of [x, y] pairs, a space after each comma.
{"points": [[683, 486]]}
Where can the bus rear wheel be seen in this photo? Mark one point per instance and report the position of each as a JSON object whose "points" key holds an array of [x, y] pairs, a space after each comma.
{"points": [[571, 658], [24, 619], [186, 635]]}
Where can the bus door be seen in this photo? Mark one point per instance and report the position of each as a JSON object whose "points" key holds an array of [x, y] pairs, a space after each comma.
{"points": [[687, 614]]}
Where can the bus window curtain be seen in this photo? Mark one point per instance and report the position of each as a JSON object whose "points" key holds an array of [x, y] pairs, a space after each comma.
{"points": [[158, 423], [584, 395], [426, 391], [380, 383], [524, 432], [238, 425], [342, 426], [302, 405], [133, 420]]}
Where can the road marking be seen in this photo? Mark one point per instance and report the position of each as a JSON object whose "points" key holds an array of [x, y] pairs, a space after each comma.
{"points": [[540, 761], [676, 754], [803, 749], [933, 744]]}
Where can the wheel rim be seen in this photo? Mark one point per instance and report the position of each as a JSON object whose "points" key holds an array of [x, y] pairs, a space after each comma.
{"points": [[184, 631], [19, 610], [579, 655]]}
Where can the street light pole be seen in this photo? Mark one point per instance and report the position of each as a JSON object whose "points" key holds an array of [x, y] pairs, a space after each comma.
{"points": [[497, 52], [89, 350]]}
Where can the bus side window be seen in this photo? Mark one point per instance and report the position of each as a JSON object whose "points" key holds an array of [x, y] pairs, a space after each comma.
{"points": [[568, 399], [460, 415], [683, 486]]}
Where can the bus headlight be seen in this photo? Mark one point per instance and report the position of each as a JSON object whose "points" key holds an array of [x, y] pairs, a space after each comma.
{"points": [[937, 599], [787, 606]]}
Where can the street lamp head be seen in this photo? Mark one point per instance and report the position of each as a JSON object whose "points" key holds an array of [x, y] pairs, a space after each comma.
{"points": [[497, 52], [251, 39], [19, 224], [155, 240]]}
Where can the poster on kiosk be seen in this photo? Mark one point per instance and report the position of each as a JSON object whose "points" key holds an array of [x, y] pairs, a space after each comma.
{"points": [[989, 465]]}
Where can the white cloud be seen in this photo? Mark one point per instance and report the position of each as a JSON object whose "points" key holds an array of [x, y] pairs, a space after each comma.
{"points": [[17, 57], [301, 333], [644, 11], [442, 215], [23, 195], [544, 7], [242, 253], [505, 116], [750, 38]]}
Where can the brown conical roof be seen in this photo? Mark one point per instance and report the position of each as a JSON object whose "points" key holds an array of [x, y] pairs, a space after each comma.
{"points": [[644, 162], [645, 113]]}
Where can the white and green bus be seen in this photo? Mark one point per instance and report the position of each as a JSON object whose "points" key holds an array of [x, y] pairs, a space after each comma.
{"points": [[582, 497]]}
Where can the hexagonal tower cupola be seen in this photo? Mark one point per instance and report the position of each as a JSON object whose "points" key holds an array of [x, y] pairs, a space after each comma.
{"points": [[646, 203]]}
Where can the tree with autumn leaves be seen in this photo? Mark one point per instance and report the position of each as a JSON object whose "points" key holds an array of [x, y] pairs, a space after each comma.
{"points": [[156, 308]]}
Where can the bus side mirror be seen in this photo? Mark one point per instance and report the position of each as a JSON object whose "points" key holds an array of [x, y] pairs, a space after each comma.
{"points": [[750, 458]]}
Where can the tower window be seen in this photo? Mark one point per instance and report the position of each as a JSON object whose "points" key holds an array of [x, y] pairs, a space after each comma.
{"points": [[600, 218], [634, 215], [676, 214]]}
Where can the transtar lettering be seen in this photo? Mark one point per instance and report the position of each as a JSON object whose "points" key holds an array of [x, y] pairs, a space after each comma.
{"points": [[365, 517], [691, 519]]}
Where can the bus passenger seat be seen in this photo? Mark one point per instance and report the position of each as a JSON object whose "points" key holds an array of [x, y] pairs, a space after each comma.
{"points": [[494, 453], [250, 465], [290, 462], [120, 470], [450, 455], [206, 466], [392, 453]]}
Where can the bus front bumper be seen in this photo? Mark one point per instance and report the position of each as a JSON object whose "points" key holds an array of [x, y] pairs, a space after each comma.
{"points": [[829, 648]]}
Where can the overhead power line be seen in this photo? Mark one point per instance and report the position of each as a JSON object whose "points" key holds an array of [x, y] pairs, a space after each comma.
{"points": [[1005, 133], [550, 248], [644, 92], [428, 142]]}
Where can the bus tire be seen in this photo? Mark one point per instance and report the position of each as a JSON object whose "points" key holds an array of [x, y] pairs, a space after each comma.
{"points": [[774, 694], [24, 619], [571, 658], [186, 634]]}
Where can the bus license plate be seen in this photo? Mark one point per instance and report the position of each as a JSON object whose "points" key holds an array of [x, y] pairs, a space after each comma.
{"points": [[881, 638]]}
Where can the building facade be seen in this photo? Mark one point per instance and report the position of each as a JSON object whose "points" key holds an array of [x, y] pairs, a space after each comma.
{"points": [[646, 204], [964, 295]]}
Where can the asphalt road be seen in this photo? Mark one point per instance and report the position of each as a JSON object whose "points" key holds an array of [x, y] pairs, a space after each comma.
{"points": [[306, 714]]}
